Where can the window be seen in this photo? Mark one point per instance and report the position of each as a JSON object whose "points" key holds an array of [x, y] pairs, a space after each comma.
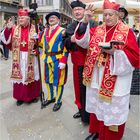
{"points": [[27, 2], [39, 2], [49, 2]]}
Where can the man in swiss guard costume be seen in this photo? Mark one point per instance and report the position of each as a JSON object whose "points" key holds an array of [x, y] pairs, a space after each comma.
{"points": [[110, 61], [78, 55], [25, 76], [55, 57]]}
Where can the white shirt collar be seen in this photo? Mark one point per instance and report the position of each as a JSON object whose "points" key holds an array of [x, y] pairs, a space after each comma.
{"points": [[53, 27]]}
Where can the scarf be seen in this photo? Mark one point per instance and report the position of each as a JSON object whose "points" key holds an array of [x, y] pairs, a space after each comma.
{"points": [[16, 42]]}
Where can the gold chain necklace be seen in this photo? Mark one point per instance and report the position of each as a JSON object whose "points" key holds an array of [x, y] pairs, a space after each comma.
{"points": [[106, 32]]}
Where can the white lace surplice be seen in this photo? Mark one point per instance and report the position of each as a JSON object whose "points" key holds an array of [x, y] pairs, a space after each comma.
{"points": [[84, 41], [116, 112]]}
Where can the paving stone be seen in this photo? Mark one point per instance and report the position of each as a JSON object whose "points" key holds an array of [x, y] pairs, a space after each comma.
{"points": [[29, 122]]}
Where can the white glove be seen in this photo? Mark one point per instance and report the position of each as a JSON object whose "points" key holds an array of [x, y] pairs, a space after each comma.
{"points": [[61, 65], [35, 36]]}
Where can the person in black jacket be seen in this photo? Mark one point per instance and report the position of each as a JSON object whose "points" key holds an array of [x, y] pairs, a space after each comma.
{"points": [[78, 55]]}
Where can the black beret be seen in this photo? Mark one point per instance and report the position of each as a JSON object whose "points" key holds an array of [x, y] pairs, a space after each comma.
{"points": [[51, 14], [136, 31], [77, 3], [122, 9]]}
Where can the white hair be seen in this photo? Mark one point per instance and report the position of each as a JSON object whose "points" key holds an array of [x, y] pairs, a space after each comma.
{"points": [[26, 17]]}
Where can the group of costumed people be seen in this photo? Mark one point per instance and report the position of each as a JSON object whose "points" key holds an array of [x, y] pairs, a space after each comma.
{"points": [[103, 59]]}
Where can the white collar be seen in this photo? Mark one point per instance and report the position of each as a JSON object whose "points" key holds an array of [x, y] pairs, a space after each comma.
{"points": [[53, 27]]}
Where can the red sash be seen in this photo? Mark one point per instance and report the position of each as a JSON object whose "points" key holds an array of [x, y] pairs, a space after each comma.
{"points": [[95, 56], [16, 42]]}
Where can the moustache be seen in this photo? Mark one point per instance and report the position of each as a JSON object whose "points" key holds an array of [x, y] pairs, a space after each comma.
{"points": [[77, 14], [51, 21]]}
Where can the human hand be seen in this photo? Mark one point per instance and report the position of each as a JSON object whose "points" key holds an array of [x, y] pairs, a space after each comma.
{"points": [[35, 35], [109, 51], [61, 65], [73, 38], [89, 11], [35, 52]]}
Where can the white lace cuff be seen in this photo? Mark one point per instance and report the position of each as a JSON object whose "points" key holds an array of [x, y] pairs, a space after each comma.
{"points": [[3, 39], [84, 41], [120, 64]]}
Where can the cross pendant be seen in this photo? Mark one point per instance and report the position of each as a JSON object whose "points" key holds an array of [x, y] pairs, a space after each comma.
{"points": [[23, 43]]}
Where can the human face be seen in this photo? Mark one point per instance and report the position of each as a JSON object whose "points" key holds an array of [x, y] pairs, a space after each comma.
{"points": [[78, 13], [121, 15], [110, 17], [53, 20], [23, 20]]}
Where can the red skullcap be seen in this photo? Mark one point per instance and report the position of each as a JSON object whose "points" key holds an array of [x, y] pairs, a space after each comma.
{"points": [[22, 12], [110, 5]]}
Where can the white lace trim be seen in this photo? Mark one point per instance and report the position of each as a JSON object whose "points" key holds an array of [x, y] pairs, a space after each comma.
{"points": [[84, 41], [115, 113], [121, 65], [124, 77], [3, 39]]}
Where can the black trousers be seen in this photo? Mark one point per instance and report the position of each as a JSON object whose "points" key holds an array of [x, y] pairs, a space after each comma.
{"points": [[84, 114]]}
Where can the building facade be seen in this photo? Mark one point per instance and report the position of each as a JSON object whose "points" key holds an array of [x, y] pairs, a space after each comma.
{"points": [[8, 8], [46, 6]]}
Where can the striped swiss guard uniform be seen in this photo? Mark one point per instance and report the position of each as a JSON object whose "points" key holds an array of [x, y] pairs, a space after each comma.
{"points": [[55, 57]]}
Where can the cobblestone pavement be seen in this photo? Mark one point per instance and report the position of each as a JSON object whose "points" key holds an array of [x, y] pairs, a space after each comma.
{"points": [[29, 122]]}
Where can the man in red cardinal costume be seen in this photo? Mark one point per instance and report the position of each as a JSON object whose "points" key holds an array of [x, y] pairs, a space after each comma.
{"points": [[112, 56], [25, 76]]}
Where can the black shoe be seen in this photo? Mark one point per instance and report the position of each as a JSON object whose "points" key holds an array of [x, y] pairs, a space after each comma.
{"points": [[47, 102], [77, 115], [129, 106], [34, 100], [93, 136], [57, 106], [5, 58], [19, 103]]}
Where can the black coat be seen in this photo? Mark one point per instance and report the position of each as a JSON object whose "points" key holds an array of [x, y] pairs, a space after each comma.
{"points": [[70, 31]]}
